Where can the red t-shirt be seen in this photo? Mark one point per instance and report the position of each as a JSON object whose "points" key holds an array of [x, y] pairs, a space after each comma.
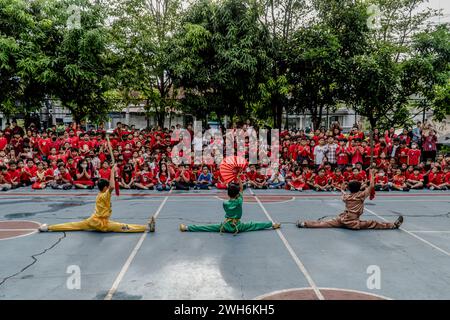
{"points": [[3, 143], [321, 181], [337, 179], [342, 156], [5, 178], [398, 180], [14, 175], [186, 174], [381, 179], [436, 178], [104, 173], [44, 145], [303, 151], [29, 172], [146, 178], [419, 177], [251, 176], [66, 176], [447, 177], [413, 157]]}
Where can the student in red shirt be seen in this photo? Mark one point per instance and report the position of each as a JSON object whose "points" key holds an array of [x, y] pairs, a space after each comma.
{"points": [[105, 171], [435, 179], [63, 180], [415, 180], [3, 141], [447, 176], [14, 175], [183, 178], [357, 152], [398, 181], [261, 179], [40, 177], [163, 178], [381, 181], [5, 179], [413, 155], [127, 177], [366, 154], [303, 151], [296, 180], [403, 153], [337, 180], [83, 176], [356, 175], [145, 179], [408, 172], [348, 172], [342, 154], [251, 177], [321, 181], [28, 172]]}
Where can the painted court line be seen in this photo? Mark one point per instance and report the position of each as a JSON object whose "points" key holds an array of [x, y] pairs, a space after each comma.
{"points": [[414, 235], [292, 253], [429, 231], [17, 229], [133, 253]]}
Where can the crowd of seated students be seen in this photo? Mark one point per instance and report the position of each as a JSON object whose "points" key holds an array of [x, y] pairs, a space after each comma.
{"points": [[324, 160]]}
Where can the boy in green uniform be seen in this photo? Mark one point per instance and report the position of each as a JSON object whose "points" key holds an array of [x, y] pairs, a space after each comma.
{"points": [[233, 214]]}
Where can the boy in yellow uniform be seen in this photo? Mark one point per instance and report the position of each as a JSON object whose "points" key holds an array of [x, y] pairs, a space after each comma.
{"points": [[99, 221]]}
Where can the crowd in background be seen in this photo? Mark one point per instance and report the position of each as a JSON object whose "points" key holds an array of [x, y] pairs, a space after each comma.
{"points": [[323, 160]]}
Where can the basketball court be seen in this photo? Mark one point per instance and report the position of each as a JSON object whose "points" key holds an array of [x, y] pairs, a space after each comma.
{"points": [[290, 263]]}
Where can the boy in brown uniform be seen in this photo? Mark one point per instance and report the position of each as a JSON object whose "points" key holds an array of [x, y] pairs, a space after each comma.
{"points": [[354, 208]]}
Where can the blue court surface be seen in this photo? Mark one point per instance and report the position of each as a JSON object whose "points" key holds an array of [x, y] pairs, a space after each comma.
{"points": [[289, 263]]}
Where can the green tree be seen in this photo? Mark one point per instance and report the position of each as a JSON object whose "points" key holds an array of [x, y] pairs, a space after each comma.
{"points": [[142, 31], [220, 58], [314, 66]]}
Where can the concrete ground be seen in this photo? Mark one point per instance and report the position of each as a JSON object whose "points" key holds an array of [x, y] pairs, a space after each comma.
{"points": [[411, 263]]}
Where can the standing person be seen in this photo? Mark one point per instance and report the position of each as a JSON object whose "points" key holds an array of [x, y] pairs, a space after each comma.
{"points": [[99, 220], [354, 208], [319, 153], [331, 153], [233, 214], [417, 133], [429, 145]]}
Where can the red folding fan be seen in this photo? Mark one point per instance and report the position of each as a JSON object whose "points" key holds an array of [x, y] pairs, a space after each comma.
{"points": [[231, 166]]}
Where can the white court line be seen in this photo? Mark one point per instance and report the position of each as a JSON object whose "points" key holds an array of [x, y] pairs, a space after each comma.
{"points": [[414, 235], [17, 229], [269, 202], [429, 231], [133, 253], [297, 260], [22, 235]]}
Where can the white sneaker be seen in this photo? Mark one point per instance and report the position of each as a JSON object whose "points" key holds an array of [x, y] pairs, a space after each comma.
{"points": [[43, 228]]}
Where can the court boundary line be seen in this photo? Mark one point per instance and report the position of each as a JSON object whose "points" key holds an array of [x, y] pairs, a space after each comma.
{"points": [[291, 251], [429, 231], [413, 235], [256, 202], [132, 255]]}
